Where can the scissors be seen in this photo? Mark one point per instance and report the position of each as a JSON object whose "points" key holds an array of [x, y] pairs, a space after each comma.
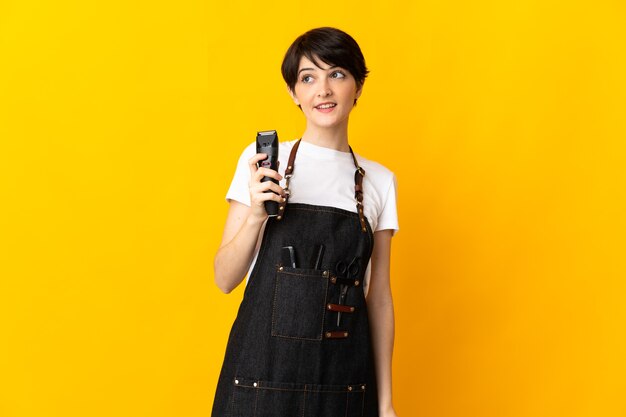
{"points": [[351, 271]]}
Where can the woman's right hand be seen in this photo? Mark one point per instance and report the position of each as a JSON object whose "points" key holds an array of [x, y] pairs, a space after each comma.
{"points": [[258, 196]]}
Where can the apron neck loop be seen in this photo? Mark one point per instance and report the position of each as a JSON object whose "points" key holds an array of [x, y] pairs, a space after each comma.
{"points": [[358, 185]]}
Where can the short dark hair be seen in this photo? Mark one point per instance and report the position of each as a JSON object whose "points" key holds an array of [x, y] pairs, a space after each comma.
{"points": [[332, 46]]}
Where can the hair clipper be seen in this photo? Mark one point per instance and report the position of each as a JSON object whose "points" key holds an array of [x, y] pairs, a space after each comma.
{"points": [[267, 143]]}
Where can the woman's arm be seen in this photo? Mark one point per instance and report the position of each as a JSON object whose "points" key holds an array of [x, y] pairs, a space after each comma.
{"points": [[380, 313], [239, 242], [243, 224]]}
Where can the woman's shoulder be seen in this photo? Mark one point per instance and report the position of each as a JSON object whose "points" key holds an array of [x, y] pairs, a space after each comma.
{"points": [[375, 169]]}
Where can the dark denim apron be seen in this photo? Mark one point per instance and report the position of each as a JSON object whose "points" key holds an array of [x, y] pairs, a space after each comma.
{"points": [[286, 356]]}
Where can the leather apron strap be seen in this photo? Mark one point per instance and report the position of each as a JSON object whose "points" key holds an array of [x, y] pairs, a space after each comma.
{"points": [[358, 185]]}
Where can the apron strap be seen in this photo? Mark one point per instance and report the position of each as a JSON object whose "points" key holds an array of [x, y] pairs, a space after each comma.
{"points": [[288, 175], [358, 190], [358, 185]]}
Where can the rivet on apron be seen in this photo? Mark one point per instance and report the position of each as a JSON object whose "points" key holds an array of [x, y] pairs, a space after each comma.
{"points": [[280, 268], [325, 273], [352, 309], [236, 381], [280, 208], [356, 283], [254, 385], [362, 386], [278, 217], [327, 334], [328, 306], [349, 388], [333, 280], [345, 334]]}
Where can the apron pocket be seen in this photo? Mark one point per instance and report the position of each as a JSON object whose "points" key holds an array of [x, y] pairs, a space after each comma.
{"points": [[298, 307], [252, 398]]}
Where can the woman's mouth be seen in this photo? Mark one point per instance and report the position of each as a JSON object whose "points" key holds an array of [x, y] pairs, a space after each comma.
{"points": [[325, 107]]}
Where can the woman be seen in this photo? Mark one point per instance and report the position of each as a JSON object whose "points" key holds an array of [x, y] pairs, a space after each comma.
{"points": [[305, 342]]}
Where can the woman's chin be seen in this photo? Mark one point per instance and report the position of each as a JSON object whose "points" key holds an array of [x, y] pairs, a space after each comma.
{"points": [[326, 123]]}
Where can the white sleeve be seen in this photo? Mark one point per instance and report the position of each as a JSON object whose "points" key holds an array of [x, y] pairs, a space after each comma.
{"points": [[388, 218], [239, 185]]}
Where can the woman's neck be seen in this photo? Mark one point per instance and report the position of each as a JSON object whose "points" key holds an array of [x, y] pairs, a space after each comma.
{"points": [[332, 138]]}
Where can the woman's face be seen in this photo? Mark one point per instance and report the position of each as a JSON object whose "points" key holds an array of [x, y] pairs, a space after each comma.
{"points": [[325, 94]]}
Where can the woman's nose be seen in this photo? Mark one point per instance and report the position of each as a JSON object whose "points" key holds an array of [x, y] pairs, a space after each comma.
{"points": [[325, 89]]}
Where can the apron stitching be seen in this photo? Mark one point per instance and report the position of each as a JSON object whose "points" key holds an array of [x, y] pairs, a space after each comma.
{"points": [[349, 214], [274, 303], [304, 274], [324, 310], [297, 338], [256, 400], [232, 401], [261, 385], [363, 402]]}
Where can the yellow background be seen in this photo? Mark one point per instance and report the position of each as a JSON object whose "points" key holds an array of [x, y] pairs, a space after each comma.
{"points": [[120, 126]]}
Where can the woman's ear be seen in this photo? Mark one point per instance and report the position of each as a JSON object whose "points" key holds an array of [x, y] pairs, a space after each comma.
{"points": [[359, 91], [293, 96]]}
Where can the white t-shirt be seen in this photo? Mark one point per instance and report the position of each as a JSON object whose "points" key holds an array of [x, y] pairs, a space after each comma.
{"points": [[325, 177]]}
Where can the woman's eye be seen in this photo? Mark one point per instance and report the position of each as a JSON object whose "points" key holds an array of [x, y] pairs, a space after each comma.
{"points": [[338, 74], [306, 78]]}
